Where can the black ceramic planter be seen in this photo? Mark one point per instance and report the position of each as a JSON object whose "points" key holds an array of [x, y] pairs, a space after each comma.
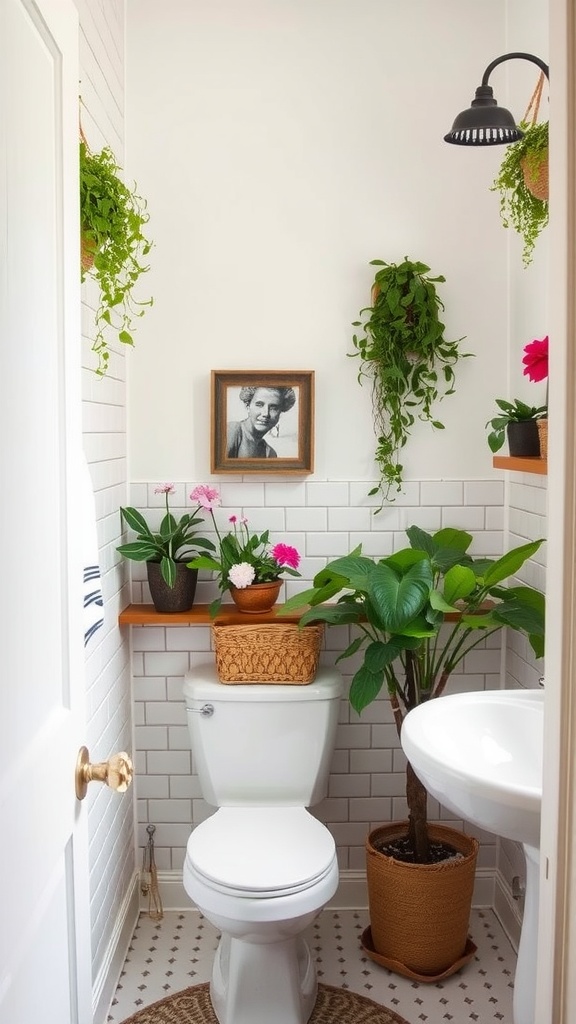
{"points": [[178, 598], [523, 439]]}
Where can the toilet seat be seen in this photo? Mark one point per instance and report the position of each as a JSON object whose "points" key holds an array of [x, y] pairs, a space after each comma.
{"points": [[261, 852]]}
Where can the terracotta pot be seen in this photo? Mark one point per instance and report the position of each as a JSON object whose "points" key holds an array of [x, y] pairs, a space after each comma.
{"points": [[419, 913], [523, 438], [257, 598], [178, 598]]}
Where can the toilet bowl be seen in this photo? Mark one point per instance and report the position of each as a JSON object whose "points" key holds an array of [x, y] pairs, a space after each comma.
{"points": [[262, 867]]}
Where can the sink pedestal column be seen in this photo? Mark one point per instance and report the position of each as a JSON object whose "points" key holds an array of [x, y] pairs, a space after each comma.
{"points": [[527, 964]]}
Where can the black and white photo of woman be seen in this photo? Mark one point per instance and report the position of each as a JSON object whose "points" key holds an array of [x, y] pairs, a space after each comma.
{"points": [[262, 422]]}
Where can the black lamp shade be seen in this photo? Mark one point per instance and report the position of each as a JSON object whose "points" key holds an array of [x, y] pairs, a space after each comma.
{"points": [[484, 123]]}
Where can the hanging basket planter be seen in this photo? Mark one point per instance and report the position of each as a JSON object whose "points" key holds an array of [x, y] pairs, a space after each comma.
{"points": [[535, 173]]}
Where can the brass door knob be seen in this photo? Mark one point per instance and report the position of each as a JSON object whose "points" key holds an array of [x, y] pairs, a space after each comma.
{"points": [[116, 772]]}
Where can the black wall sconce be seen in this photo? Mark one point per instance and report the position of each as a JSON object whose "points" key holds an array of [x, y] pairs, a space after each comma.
{"points": [[485, 123]]}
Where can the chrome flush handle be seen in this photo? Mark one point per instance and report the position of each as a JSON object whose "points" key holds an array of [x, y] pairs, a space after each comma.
{"points": [[206, 710]]}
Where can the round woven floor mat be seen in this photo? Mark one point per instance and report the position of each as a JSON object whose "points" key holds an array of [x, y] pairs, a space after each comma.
{"points": [[333, 1006]]}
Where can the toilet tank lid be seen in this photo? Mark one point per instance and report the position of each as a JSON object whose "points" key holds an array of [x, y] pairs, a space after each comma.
{"points": [[202, 683]]}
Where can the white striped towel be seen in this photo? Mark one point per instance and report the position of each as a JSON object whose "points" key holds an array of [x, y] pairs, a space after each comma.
{"points": [[93, 600]]}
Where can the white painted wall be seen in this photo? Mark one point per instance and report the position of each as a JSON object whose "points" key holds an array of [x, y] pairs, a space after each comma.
{"points": [[281, 148]]}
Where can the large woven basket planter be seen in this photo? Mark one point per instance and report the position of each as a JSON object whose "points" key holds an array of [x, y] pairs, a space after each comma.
{"points": [[420, 913]]}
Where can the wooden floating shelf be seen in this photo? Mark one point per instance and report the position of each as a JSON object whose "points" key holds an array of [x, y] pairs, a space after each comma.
{"points": [[521, 464], [198, 615]]}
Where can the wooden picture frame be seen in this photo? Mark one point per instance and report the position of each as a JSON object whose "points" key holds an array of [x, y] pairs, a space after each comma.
{"points": [[241, 439]]}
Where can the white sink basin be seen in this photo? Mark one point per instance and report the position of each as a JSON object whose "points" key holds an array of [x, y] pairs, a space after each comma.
{"points": [[480, 755]]}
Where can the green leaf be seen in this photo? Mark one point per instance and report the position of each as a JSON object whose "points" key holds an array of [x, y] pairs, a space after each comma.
{"points": [[364, 688], [510, 563], [135, 521], [168, 570], [139, 551], [351, 649], [398, 600], [459, 582]]}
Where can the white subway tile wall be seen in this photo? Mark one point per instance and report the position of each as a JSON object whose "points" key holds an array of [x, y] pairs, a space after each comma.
{"points": [[322, 519], [108, 674]]}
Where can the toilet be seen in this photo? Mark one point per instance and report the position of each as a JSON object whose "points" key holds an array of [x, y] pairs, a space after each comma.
{"points": [[262, 867]]}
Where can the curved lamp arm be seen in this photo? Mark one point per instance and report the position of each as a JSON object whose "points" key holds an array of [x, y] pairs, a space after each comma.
{"points": [[512, 56]]}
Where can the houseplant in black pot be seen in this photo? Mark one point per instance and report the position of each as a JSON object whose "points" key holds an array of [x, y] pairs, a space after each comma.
{"points": [[166, 552], [517, 422], [405, 357], [418, 613]]}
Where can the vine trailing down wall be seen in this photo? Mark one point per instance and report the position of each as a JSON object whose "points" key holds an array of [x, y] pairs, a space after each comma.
{"points": [[406, 358]]}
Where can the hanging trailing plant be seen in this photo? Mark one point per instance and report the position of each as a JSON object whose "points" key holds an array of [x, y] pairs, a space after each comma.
{"points": [[522, 182], [406, 357], [112, 218]]}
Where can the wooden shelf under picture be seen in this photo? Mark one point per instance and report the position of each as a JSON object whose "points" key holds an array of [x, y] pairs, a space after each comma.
{"points": [[521, 464]]}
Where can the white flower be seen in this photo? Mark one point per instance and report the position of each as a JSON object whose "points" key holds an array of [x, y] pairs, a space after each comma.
{"points": [[242, 575]]}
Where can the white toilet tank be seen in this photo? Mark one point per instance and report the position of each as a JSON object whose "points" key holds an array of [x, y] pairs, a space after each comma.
{"points": [[262, 744]]}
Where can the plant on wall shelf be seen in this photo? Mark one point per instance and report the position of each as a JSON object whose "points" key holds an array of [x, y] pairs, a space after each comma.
{"points": [[511, 412], [522, 182], [112, 218], [405, 355]]}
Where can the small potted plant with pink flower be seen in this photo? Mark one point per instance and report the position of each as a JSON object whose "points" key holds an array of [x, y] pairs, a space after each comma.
{"points": [[247, 564], [167, 551], [517, 421]]}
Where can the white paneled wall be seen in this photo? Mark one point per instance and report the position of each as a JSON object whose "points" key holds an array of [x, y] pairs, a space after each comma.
{"points": [[108, 680], [367, 774]]}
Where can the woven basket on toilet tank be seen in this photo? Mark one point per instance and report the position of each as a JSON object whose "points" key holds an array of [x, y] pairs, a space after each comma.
{"points": [[267, 653]]}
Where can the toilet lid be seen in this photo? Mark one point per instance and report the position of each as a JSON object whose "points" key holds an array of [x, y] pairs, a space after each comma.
{"points": [[261, 851]]}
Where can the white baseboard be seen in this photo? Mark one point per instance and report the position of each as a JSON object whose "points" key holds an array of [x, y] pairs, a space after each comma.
{"points": [[352, 892], [115, 954], [508, 910]]}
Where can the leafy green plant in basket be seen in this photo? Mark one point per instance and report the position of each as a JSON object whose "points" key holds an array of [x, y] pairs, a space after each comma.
{"points": [[418, 613], [520, 208], [112, 218], [406, 357]]}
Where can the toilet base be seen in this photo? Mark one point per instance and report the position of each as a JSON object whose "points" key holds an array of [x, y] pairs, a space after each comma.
{"points": [[254, 983]]}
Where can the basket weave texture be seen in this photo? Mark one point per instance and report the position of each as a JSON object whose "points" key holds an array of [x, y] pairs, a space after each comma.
{"points": [[536, 179], [267, 653], [543, 436], [419, 913]]}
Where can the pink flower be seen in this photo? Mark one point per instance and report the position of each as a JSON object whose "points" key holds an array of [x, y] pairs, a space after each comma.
{"points": [[164, 489], [536, 359], [232, 519], [243, 521], [241, 575], [284, 554], [207, 497]]}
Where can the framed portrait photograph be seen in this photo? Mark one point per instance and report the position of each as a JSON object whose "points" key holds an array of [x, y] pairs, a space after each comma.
{"points": [[262, 421]]}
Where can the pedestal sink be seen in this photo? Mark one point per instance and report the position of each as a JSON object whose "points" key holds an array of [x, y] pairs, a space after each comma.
{"points": [[480, 755]]}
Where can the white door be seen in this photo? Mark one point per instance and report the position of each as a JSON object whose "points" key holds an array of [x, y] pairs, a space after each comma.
{"points": [[44, 935]]}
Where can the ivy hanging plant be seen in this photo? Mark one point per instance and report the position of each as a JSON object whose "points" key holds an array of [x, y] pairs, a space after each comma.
{"points": [[406, 357], [522, 182], [112, 218]]}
